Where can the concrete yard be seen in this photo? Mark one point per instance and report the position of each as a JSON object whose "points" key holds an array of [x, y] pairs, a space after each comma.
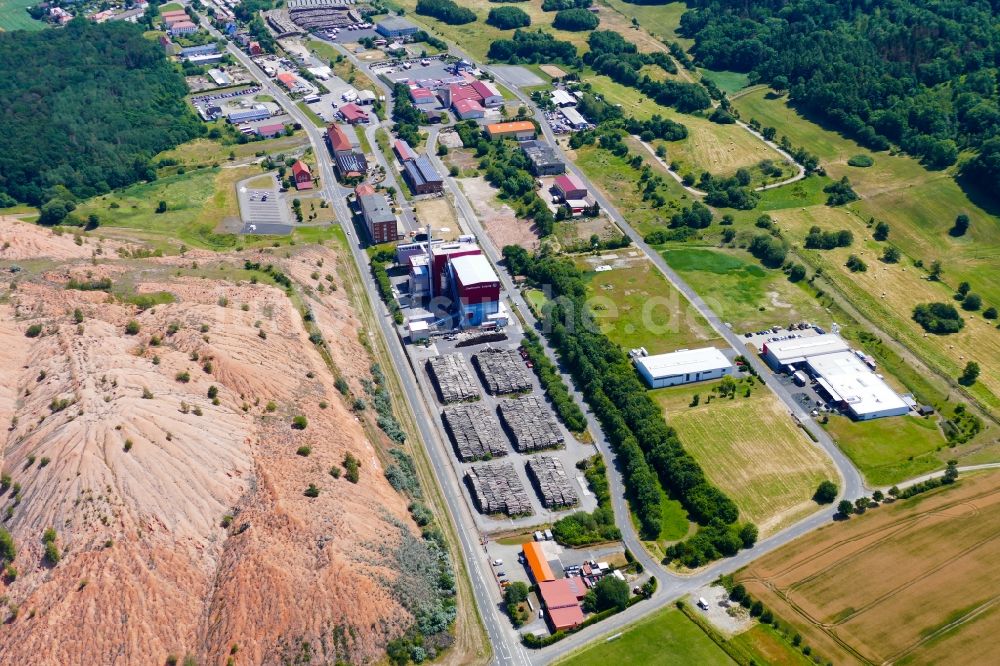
{"points": [[572, 452], [518, 76], [262, 210]]}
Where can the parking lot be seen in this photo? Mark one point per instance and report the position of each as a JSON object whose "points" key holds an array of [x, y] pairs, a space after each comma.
{"points": [[348, 36], [262, 210], [805, 395], [437, 70]]}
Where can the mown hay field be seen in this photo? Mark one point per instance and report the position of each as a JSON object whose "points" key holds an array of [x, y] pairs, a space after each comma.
{"points": [[751, 449]]}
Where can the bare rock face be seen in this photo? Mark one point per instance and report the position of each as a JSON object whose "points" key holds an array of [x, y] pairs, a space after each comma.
{"points": [[165, 462]]}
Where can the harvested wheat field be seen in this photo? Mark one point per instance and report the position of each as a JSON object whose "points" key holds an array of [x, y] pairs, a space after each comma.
{"points": [[912, 582], [151, 430]]}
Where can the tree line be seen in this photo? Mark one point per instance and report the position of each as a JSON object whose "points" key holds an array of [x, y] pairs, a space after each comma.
{"points": [[533, 46], [647, 449], [85, 110], [446, 11]]}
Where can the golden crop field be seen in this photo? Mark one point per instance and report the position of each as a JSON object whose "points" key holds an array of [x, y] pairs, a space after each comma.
{"points": [[914, 581]]}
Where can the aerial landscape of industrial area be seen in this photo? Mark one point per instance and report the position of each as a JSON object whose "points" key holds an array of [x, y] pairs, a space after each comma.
{"points": [[505, 332]]}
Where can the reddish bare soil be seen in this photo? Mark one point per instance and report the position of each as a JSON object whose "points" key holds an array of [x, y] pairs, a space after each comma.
{"points": [[138, 471]]}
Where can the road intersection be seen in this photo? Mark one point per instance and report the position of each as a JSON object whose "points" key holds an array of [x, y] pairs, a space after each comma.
{"points": [[504, 639]]}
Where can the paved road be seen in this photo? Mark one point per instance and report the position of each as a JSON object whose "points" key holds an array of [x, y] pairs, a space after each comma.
{"points": [[671, 585], [504, 640], [506, 648], [629, 536], [852, 482], [925, 477]]}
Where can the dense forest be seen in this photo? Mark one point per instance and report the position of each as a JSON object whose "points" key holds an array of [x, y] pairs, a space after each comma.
{"points": [[86, 107], [921, 74]]}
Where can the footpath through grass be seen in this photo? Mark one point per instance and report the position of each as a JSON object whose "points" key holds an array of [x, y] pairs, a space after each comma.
{"points": [[635, 306], [741, 291]]}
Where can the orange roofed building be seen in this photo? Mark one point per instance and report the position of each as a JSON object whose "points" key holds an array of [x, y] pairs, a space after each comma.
{"points": [[521, 130], [537, 564]]}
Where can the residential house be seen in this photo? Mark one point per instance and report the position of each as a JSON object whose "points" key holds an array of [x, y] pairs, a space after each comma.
{"points": [[183, 28], [302, 175]]}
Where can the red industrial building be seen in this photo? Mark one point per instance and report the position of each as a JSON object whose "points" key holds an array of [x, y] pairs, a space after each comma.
{"points": [[561, 599], [569, 187], [441, 254], [475, 288]]}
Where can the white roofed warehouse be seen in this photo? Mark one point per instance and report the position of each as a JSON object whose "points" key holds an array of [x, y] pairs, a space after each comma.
{"points": [[781, 354], [852, 385], [683, 367]]}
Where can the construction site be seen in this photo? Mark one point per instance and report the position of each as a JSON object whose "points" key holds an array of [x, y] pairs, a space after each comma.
{"points": [[550, 480], [474, 432], [530, 424], [497, 489], [502, 371]]}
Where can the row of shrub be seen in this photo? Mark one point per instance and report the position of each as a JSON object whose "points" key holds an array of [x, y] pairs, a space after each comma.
{"points": [[381, 275], [555, 389], [582, 528]]}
